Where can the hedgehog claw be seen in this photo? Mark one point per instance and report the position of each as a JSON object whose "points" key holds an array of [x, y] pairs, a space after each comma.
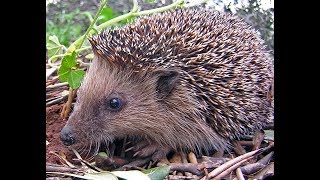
{"points": [[153, 150]]}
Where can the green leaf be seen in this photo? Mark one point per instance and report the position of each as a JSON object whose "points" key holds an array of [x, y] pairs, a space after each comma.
{"points": [[54, 47], [107, 14], [131, 175], [76, 77], [157, 173], [69, 60], [68, 74], [269, 134]]}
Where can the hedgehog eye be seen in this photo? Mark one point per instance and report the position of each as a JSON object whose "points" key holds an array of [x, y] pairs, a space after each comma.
{"points": [[115, 104]]}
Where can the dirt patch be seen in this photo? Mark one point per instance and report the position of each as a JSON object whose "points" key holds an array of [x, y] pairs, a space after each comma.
{"points": [[54, 124]]}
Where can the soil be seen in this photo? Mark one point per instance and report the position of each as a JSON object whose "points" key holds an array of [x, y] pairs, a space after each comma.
{"points": [[54, 124]]}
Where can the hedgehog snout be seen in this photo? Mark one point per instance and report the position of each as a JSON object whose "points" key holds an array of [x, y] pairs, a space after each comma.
{"points": [[66, 136]]}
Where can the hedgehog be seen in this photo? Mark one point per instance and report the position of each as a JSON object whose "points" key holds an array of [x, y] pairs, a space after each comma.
{"points": [[181, 80]]}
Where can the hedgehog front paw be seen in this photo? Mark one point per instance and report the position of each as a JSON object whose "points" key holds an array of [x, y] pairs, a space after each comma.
{"points": [[145, 149]]}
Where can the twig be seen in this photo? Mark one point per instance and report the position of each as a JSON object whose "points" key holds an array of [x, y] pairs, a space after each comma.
{"points": [[230, 169], [195, 168], [58, 178], [60, 168], [63, 159], [77, 155], [265, 172], [252, 168], [177, 177], [216, 160], [56, 100], [266, 159], [228, 164], [188, 167], [239, 174], [53, 95], [57, 85], [67, 107], [89, 165], [52, 81]]}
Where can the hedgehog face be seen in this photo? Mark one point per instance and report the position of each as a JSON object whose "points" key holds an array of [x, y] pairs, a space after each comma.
{"points": [[114, 102]]}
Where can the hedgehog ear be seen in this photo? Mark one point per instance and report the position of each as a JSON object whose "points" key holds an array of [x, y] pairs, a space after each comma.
{"points": [[166, 82]]}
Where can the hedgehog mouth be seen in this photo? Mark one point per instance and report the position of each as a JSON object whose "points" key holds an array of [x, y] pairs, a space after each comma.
{"points": [[113, 147]]}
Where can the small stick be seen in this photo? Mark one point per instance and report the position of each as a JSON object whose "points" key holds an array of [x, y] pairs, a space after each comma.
{"points": [[265, 172], [90, 166], [265, 160], [239, 174], [176, 177], [60, 168], [62, 159], [188, 167], [193, 168], [56, 101], [57, 85], [77, 155], [230, 163], [252, 168], [230, 169], [52, 81], [67, 107], [53, 94]]}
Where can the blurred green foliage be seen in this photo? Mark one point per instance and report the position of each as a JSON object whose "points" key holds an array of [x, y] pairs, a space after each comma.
{"points": [[65, 27]]}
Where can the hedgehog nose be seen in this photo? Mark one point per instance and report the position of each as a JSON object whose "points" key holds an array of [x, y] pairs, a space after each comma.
{"points": [[66, 136]]}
